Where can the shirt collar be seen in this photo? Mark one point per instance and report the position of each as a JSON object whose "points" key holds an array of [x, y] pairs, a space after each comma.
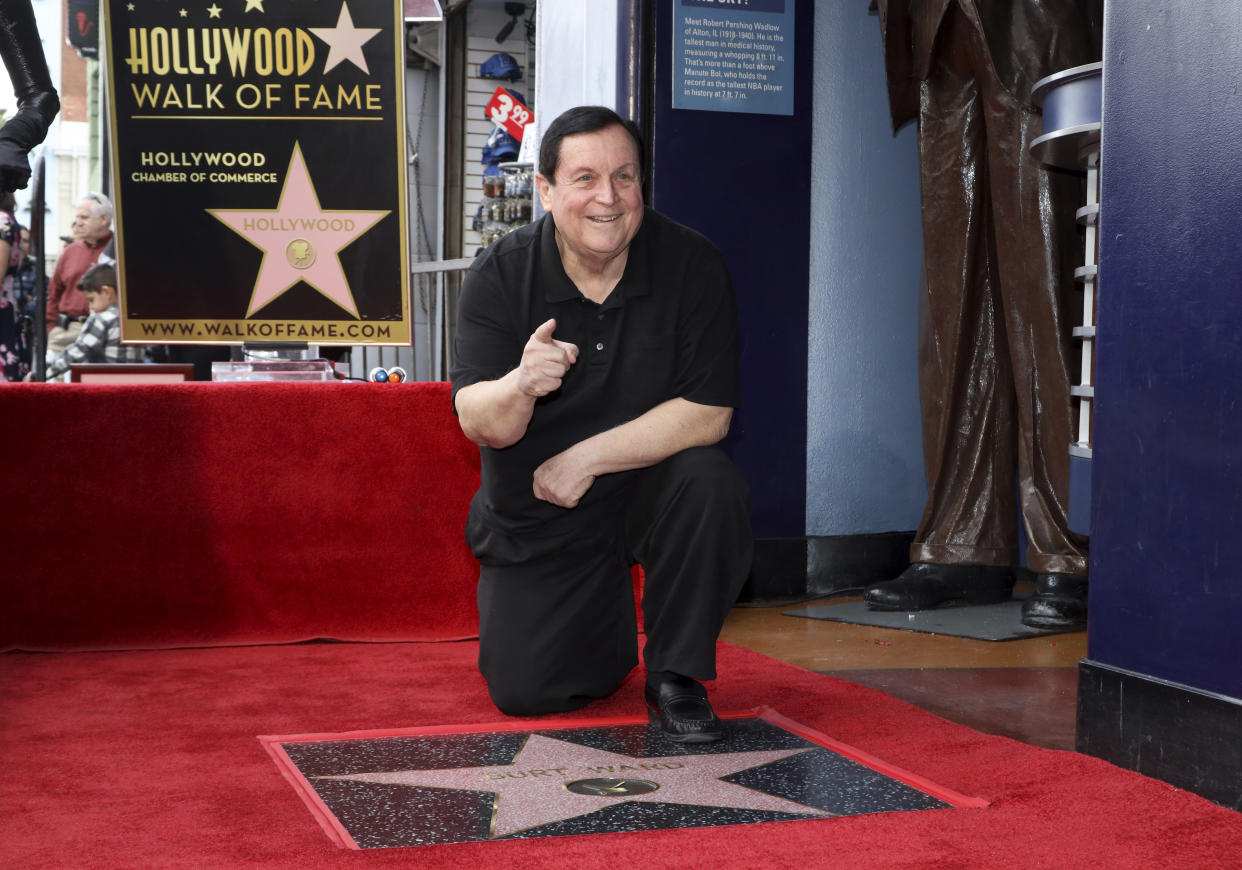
{"points": [[635, 281]]}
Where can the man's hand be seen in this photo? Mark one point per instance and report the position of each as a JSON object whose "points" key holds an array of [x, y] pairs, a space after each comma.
{"points": [[668, 428], [545, 362], [496, 413], [564, 479]]}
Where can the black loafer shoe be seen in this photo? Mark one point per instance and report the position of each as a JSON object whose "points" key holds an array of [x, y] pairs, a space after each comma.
{"points": [[681, 707], [925, 585], [1060, 601]]}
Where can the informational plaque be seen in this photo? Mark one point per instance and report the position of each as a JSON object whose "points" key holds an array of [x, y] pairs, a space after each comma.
{"points": [[259, 161], [734, 56]]}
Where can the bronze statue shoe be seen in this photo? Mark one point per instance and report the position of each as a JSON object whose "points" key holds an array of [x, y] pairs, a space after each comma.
{"points": [[1060, 601], [925, 585]]}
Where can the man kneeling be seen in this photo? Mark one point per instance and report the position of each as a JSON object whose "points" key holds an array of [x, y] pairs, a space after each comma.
{"points": [[595, 363]]}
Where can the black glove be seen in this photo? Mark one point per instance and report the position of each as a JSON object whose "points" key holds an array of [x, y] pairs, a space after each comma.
{"points": [[37, 103]]}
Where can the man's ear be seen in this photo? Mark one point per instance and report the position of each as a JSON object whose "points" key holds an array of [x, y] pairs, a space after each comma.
{"points": [[544, 188]]}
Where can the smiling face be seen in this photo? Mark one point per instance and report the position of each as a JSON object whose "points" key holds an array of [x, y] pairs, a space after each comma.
{"points": [[596, 200]]}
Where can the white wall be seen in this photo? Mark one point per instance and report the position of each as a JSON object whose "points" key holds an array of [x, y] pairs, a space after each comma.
{"points": [[578, 51]]}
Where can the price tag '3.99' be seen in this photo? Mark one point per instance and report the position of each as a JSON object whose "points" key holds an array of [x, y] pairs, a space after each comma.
{"points": [[508, 111]]}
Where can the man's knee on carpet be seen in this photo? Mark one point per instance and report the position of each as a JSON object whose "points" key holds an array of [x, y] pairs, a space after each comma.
{"points": [[542, 670], [513, 703], [523, 699]]}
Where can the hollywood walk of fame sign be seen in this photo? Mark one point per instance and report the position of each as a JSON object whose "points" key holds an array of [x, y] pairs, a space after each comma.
{"points": [[259, 169], [430, 787]]}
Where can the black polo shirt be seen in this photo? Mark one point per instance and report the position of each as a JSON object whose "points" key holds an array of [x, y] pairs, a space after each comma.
{"points": [[667, 330]]}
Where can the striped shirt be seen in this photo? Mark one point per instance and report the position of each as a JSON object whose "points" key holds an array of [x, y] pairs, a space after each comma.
{"points": [[100, 342]]}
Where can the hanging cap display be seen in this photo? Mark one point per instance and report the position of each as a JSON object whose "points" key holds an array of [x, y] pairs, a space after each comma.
{"points": [[500, 66], [500, 147]]}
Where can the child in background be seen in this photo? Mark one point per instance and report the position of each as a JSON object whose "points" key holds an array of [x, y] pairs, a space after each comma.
{"points": [[100, 341]]}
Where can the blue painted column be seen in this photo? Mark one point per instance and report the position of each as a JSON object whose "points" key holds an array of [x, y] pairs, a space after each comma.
{"points": [[1163, 678], [1166, 574]]}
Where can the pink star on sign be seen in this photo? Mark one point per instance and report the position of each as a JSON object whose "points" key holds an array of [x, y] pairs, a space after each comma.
{"points": [[299, 239], [345, 41], [550, 780]]}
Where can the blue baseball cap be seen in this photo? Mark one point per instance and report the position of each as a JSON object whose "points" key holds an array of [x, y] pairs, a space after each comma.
{"points": [[500, 147], [501, 66]]}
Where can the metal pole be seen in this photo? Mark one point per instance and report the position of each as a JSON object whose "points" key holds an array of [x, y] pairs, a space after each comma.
{"points": [[38, 331]]}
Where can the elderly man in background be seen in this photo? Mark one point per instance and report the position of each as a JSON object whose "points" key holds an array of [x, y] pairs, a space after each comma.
{"points": [[67, 308]]}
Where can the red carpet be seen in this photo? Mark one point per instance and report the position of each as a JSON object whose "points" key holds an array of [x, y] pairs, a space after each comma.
{"points": [[151, 760]]}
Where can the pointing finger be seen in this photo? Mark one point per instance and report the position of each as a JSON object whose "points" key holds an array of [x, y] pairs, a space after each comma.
{"points": [[545, 330]]}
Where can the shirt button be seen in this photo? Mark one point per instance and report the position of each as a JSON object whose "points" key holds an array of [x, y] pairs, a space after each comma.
{"points": [[599, 345], [599, 317]]}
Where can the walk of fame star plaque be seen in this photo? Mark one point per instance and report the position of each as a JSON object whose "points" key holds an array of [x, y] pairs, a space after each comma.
{"points": [[259, 171], [433, 786]]}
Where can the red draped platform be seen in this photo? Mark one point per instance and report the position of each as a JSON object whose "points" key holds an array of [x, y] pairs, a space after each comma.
{"points": [[218, 514]]}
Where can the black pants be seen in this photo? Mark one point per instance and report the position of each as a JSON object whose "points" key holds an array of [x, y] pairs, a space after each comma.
{"points": [[560, 629]]}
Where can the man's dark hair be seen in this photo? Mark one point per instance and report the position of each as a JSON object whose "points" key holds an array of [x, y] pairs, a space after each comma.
{"points": [[583, 119], [96, 277]]}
